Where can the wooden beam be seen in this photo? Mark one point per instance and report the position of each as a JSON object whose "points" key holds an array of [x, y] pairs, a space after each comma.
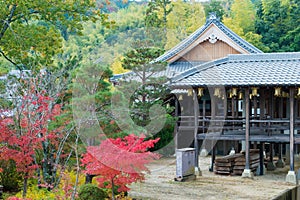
{"points": [[292, 118], [247, 137], [196, 115]]}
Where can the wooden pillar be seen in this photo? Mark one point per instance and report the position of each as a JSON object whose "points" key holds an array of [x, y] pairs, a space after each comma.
{"points": [[296, 113], [280, 151], [280, 163], [280, 109], [204, 114], [292, 118], [296, 150], [261, 159], [225, 105], [176, 124], [232, 107], [255, 117], [272, 105], [196, 123], [247, 172], [213, 157], [236, 107], [271, 152], [291, 176], [271, 166], [262, 105], [212, 145], [204, 108], [255, 106], [213, 107], [224, 115], [247, 138]]}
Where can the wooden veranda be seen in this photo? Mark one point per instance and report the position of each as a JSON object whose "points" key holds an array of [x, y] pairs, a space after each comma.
{"points": [[249, 111], [263, 117]]}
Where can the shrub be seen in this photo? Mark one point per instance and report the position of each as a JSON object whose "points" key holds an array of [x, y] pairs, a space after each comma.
{"points": [[165, 145], [35, 193], [68, 181], [10, 179], [91, 192]]}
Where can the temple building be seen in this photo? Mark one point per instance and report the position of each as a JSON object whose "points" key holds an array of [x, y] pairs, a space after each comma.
{"points": [[230, 96]]}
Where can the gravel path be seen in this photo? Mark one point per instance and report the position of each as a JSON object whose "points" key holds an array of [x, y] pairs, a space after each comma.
{"points": [[160, 184]]}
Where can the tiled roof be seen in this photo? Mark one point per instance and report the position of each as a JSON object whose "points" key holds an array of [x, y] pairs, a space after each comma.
{"points": [[182, 66], [116, 77], [172, 70], [194, 36], [244, 70]]}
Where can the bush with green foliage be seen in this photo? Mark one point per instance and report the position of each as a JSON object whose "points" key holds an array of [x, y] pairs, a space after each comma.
{"points": [[164, 145], [10, 179], [91, 192]]}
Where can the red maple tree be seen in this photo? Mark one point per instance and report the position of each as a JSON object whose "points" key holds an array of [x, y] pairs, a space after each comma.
{"points": [[22, 135], [119, 162]]}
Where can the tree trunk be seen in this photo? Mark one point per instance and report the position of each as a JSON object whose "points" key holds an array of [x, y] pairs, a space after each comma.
{"points": [[78, 168], [39, 177], [88, 178], [25, 186], [112, 189]]}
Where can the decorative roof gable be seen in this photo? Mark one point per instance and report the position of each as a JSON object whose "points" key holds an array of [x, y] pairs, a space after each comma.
{"points": [[212, 31]]}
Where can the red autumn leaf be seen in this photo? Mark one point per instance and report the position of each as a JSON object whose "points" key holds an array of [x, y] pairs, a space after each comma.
{"points": [[20, 142], [120, 161]]}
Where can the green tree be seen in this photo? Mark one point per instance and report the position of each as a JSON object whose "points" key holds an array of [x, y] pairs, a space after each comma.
{"points": [[241, 20], [276, 24], [184, 19], [145, 86], [91, 103], [214, 6], [157, 12], [91, 98], [110, 40], [30, 31], [244, 15], [156, 20], [147, 95]]}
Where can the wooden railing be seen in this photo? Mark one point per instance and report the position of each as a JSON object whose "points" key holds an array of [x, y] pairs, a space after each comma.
{"points": [[229, 123]]}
